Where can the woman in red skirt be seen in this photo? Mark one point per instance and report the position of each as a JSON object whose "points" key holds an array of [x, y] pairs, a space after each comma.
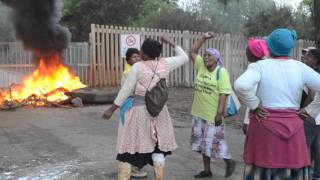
{"points": [[275, 146]]}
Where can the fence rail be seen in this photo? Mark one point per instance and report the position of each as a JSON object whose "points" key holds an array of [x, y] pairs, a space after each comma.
{"points": [[107, 65]]}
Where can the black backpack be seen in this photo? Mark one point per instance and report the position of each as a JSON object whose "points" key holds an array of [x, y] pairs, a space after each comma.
{"points": [[157, 97]]}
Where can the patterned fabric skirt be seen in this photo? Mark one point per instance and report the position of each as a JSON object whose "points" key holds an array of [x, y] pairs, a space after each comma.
{"points": [[253, 172], [208, 139], [140, 135], [141, 132]]}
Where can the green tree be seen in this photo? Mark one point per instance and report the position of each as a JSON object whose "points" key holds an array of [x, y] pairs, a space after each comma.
{"points": [[79, 14], [268, 20], [316, 21], [231, 15], [178, 19], [151, 10], [282, 16], [168, 15], [304, 21]]}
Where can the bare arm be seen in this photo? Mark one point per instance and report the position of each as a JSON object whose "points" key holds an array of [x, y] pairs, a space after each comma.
{"points": [[310, 97], [195, 48], [179, 59], [220, 112], [222, 103], [108, 113], [165, 39], [125, 91]]}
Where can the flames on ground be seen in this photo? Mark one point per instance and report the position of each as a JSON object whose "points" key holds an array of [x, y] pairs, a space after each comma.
{"points": [[47, 84]]}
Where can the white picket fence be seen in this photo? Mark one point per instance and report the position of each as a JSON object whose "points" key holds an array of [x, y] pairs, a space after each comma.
{"points": [[107, 64], [99, 63]]}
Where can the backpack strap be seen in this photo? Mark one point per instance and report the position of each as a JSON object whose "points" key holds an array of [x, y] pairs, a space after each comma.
{"points": [[154, 73], [218, 73]]}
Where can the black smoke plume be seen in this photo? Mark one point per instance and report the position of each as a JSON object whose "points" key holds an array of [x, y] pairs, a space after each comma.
{"points": [[36, 24]]}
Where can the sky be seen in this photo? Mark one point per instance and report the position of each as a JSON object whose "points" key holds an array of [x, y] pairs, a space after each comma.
{"points": [[293, 3]]}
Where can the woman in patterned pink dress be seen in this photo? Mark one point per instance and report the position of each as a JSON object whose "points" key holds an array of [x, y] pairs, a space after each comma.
{"points": [[143, 139]]}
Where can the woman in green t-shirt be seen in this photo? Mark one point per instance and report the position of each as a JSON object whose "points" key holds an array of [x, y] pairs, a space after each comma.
{"points": [[212, 86]]}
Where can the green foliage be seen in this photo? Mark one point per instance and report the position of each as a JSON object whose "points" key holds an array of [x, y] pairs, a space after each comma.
{"points": [[177, 19], [79, 14], [251, 17], [151, 10], [266, 21], [263, 23], [230, 16], [316, 20]]}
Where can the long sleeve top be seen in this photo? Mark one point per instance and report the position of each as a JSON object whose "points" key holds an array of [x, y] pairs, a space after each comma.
{"points": [[313, 109], [280, 83], [130, 83]]}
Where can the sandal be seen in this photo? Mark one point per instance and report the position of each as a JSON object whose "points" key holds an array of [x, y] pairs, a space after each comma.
{"points": [[203, 174]]}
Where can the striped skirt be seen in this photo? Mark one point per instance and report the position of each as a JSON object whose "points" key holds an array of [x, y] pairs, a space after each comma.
{"points": [[252, 172]]}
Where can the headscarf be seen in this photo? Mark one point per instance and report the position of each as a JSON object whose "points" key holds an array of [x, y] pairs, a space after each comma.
{"points": [[281, 41], [215, 53], [258, 47]]}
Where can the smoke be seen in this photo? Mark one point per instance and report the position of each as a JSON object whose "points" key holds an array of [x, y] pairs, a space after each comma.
{"points": [[36, 24]]}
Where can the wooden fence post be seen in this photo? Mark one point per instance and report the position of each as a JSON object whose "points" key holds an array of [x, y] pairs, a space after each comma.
{"points": [[186, 46], [227, 51], [93, 59], [106, 67], [299, 49]]}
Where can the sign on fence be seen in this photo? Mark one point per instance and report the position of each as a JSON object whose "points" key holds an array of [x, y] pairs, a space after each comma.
{"points": [[129, 41]]}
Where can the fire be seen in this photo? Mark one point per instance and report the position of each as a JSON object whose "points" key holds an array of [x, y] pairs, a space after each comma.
{"points": [[49, 81]]}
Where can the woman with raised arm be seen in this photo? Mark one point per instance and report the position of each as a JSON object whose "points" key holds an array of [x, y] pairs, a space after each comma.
{"points": [[212, 86], [142, 138]]}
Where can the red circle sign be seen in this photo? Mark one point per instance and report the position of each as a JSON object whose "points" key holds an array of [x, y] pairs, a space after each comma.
{"points": [[130, 40]]}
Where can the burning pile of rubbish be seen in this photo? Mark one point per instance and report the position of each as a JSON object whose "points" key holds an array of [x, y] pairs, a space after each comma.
{"points": [[37, 25]]}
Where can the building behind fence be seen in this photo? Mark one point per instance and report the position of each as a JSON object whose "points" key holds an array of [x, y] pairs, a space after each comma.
{"points": [[99, 63]]}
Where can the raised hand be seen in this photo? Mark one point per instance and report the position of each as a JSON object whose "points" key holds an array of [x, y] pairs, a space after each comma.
{"points": [[165, 39], [209, 35]]}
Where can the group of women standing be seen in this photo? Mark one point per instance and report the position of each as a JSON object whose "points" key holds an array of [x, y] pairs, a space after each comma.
{"points": [[275, 145], [143, 139]]}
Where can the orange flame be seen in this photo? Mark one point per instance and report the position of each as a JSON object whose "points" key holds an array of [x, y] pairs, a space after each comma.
{"points": [[50, 75]]}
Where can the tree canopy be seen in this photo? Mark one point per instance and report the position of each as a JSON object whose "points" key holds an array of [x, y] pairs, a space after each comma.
{"points": [[249, 17]]}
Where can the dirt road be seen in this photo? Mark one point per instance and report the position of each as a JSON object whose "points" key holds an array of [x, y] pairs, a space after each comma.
{"points": [[56, 143]]}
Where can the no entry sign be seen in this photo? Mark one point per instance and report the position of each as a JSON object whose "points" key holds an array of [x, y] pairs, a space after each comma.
{"points": [[129, 41]]}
